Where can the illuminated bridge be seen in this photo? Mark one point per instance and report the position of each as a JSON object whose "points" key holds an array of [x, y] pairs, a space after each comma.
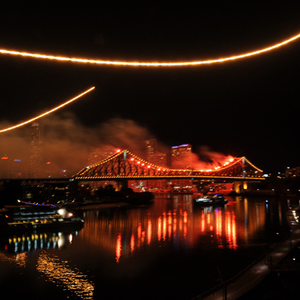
{"points": [[124, 165]]}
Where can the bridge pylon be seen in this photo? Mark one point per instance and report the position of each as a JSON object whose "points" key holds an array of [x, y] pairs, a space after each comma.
{"points": [[121, 184], [241, 186]]}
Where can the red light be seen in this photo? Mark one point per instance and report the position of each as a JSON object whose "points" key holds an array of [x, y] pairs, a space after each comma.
{"points": [[49, 162], [4, 157]]}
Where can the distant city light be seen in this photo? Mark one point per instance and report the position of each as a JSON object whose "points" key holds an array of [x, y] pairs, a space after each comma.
{"points": [[148, 64], [48, 112]]}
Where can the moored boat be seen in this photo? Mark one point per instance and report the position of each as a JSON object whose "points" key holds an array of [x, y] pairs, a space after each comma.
{"points": [[34, 217], [217, 199]]}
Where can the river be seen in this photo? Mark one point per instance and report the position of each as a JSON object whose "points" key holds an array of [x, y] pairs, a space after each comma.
{"points": [[169, 249]]}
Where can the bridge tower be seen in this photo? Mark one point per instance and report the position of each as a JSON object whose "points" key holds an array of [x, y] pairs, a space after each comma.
{"points": [[122, 183], [241, 186]]}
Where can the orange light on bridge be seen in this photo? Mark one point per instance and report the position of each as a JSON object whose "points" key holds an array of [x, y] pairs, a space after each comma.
{"points": [[85, 173], [148, 64]]}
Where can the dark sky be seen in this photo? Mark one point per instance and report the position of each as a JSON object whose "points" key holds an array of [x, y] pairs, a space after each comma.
{"points": [[246, 107]]}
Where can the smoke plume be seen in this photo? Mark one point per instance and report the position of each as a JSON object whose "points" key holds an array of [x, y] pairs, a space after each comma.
{"points": [[68, 145]]}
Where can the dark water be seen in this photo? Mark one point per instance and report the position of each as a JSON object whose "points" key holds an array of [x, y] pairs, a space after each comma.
{"points": [[167, 250]]}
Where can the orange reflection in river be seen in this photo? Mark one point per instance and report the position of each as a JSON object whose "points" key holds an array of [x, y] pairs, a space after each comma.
{"points": [[125, 231]]}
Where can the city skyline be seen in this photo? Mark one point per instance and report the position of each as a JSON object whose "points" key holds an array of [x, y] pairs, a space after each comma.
{"points": [[34, 162], [242, 108]]}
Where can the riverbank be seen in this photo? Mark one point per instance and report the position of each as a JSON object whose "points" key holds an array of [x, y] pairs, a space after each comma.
{"points": [[283, 281], [251, 279]]}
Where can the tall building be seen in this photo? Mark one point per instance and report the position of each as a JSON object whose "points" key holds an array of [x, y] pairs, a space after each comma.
{"points": [[36, 148], [151, 146], [156, 158], [153, 156], [181, 157]]}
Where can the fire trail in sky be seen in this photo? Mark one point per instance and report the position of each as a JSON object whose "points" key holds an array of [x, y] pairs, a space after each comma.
{"points": [[149, 64], [49, 111]]}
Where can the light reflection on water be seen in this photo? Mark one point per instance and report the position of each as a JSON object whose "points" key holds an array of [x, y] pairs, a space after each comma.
{"points": [[124, 232], [158, 246], [58, 272]]}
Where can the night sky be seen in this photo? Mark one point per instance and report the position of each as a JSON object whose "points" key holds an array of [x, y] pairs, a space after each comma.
{"points": [[248, 107]]}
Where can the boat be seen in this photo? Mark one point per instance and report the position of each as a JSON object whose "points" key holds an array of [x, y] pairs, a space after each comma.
{"points": [[210, 200], [30, 216]]}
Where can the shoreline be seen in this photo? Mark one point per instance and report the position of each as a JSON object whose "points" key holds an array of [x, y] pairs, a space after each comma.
{"points": [[249, 279]]}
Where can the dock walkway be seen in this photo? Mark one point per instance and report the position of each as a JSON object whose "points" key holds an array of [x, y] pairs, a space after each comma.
{"points": [[252, 276]]}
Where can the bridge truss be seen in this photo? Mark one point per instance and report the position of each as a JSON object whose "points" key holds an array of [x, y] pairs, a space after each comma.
{"points": [[124, 165]]}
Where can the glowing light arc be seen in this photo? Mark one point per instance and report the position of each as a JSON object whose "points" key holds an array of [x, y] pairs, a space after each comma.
{"points": [[48, 112], [148, 64]]}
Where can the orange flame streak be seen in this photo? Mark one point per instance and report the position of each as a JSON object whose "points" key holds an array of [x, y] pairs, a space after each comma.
{"points": [[148, 64], [47, 112]]}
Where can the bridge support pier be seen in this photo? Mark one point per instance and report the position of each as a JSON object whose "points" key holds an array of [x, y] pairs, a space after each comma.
{"points": [[241, 186], [121, 184]]}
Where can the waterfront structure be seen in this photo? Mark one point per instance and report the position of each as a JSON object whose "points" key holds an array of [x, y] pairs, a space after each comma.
{"points": [[292, 172], [124, 165]]}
